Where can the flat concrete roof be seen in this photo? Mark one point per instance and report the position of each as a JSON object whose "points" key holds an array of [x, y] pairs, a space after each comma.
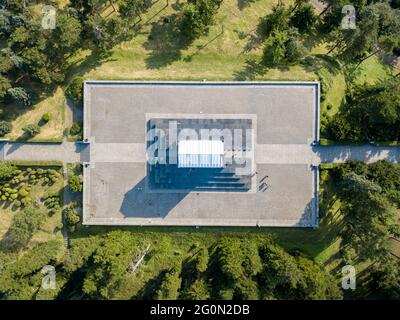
{"points": [[285, 184]]}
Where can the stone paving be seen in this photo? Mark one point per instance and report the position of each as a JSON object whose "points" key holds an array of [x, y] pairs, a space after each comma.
{"points": [[285, 170]]}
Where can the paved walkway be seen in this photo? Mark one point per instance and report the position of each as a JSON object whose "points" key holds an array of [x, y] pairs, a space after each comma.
{"points": [[126, 152], [64, 152]]}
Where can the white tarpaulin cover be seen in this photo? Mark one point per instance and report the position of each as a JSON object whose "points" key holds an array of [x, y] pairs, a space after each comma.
{"points": [[200, 154]]}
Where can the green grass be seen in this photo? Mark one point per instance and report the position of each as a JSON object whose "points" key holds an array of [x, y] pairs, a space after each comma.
{"points": [[49, 132], [156, 53], [371, 71]]}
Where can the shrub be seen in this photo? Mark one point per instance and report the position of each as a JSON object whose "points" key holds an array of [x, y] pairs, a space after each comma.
{"points": [[45, 118], [75, 129], [31, 129], [75, 183], [5, 128], [75, 90], [71, 217], [7, 171], [23, 192]]}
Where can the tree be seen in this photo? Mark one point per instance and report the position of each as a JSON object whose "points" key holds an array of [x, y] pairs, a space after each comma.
{"points": [[355, 184], [22, 96], [278, 20], [280, 274], [386, 279], [5, 128], [275, 49], [169, 288], [304, 17], [369, 218], [293, 277], [198, 290], [66, 37], [316, 283], [7, 170], [283, 47], [106, 33], [24, 224], [4, 86], [75, 90], [295, 50], [131, 9], [110, 261], [22, 278], [237, 262], [377, 30], [371, 112], [72, 218], [31, 130], [75, 183], [197, 16]]}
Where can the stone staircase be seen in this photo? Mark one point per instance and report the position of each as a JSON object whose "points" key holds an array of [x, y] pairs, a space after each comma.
{"points": [[198, 179]]}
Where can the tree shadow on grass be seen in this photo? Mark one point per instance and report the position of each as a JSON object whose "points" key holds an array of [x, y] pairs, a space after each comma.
{"points": [[316, 62], [250, 71], [243, 4], [148, 291], [165, 42]]}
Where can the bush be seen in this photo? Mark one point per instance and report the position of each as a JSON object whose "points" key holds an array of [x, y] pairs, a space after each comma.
{"points": [[7, 170], [31, 129], [75, 183], [71, 217], [75, 129], [5, 128], [46, 118], [75, 90]]}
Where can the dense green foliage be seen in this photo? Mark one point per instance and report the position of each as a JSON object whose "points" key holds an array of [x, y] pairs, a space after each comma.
{"points": [[75, 90], [372, 113], [369, 200], [281, 29], [31, 130], [76, 129], [25, 223], [45, 118], [75, 183], [22, 279], [71, 217], [197, 16], [22, 96], [7, 170]]}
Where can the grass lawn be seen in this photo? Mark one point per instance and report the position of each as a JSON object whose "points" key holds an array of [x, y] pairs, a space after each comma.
{"points": [[51, 131], [156, 52]]}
